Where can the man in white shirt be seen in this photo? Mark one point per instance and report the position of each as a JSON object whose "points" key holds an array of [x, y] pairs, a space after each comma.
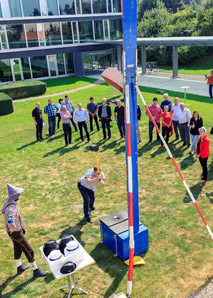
{"points": [[184, 123], [82, 120], [175, 117]]}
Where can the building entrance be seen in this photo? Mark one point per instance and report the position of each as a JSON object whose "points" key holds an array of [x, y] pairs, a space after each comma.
{"points": [[96, 63]]}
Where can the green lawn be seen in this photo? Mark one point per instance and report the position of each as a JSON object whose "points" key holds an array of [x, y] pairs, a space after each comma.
{"points": [[196, 68], [180, 256], [66, 84]]}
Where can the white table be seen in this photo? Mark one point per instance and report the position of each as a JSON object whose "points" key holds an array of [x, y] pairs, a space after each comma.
{"points": [[86, 261], [185, 88]]}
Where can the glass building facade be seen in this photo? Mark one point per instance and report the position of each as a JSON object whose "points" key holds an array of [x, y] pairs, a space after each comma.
{"points": [[33, 33]]}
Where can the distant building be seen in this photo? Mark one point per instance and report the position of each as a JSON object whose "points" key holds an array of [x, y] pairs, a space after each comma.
{"points": [[54, 38]]}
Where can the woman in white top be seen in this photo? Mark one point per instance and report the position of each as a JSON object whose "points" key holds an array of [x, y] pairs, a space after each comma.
{"points": [[59, 111]]}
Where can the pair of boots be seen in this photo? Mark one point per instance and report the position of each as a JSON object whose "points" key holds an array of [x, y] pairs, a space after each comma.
{"points": [[36, 273]]}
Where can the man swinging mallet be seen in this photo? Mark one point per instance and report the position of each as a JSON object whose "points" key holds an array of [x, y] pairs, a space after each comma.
{"points": [[15, 230]]}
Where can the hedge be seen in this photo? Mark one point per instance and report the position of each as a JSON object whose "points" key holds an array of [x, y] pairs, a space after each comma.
{"points": [[24, 89], [6, 104]]}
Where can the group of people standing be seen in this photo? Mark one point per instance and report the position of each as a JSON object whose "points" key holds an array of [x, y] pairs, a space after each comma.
{"points": [[178, 118]]}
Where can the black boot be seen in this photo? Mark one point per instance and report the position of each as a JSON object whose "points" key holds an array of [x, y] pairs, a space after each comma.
{"points": [[22, 268], [39, 273]]}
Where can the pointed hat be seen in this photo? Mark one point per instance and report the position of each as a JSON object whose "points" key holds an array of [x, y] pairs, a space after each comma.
{"points": [[13, 192]]}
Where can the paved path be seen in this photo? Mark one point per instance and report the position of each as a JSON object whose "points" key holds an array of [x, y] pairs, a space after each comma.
{"points": [[162, 82], [98, 82]]}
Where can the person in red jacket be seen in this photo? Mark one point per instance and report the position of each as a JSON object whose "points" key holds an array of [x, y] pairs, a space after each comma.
{"points": [[202, 152], [210, 82]]}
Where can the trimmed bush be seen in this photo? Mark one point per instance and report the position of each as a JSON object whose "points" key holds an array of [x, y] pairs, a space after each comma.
{"points": [[6, 104], [24, 89]]}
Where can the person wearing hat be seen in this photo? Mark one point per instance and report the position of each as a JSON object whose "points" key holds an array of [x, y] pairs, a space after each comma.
{"points": [[92, 109], [15, 230], [210, 82], [87, 185], [202, 152]]}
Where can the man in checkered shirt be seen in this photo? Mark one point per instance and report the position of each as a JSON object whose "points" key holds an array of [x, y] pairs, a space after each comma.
{"points": [[50, 109], [70, 108]]}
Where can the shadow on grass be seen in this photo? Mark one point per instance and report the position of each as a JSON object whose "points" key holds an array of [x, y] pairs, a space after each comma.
{"points": [[54, 137], [186, 162], [197, 188], [26, 145], [75, 230], [104, 259], [17, 289]]}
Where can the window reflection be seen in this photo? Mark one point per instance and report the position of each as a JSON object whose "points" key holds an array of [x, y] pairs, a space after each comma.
{"points": [[52, 33], [67, 7], [5, 71], [40, 34], [86, 6], [3, 37], [52, 7], [67, 32], [116, 5], [16, 37], [85, 31], [32, 36], [69, 63], [115, 29], [99, 6], [31, 8], [39, 66], [60, 64], [26, 67], [15, 8], [99, 34]]}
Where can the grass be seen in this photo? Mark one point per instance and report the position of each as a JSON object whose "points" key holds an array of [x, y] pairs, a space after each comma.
{"points": [[199, 68], [66, 84], [180, 256]]}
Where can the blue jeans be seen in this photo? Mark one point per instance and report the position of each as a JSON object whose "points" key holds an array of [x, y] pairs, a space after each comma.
{"points": [[52, 123], [88, 197], [121, 127], [210, 90], [194, 142], [151, 126]]}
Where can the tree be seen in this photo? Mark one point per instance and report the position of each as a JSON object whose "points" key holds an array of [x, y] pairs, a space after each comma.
{"points": [[145, 5], [174, 5]]}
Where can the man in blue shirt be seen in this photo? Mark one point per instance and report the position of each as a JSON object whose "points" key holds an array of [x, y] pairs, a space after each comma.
{"points": [[166, 102], [70, 108], [50, 109], [92, 109], [82, 120]]}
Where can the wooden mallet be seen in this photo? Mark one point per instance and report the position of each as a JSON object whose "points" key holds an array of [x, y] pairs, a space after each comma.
{"points": [[94, 148]]}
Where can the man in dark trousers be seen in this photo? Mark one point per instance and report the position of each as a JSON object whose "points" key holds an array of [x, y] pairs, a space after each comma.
{"points": [[138, 123], [15, 230], [87, 185], [104, 114], [50, 109], [119, 117], [92, 109], [38, 120], [70, 108]]}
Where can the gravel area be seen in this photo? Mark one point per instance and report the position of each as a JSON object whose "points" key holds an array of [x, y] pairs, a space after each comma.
{"points": [[203, 292]]}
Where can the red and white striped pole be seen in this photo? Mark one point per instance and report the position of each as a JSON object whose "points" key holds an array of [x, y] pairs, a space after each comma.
{"points": [[130, 192], [175, 164]]}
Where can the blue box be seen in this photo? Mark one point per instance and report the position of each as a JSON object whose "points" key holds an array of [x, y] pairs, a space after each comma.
{"points": [[115, 234]]}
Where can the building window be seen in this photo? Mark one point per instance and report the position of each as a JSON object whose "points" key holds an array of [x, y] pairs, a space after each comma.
{"points": [[67, 32], [85, 31], [109, 6], [115, 29], [32, 36], [40, 34], [86, 6], [3, 37], [60, 64], [31, 8], [99, 34], [26, 68], [16, 36], [15, 8], [5, 71], [52, 7], [78, 6], [99, 6], [1, 16], [67, 7], [52, 33], [116, 5], [39, 66], [69, 63], [106, 32]]}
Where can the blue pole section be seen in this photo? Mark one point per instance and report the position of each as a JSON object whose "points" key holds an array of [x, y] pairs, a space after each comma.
{"points": [[129, 55]]}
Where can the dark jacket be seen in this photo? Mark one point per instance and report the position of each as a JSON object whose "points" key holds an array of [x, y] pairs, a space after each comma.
{"points": [[138, 112], [109, 113]]}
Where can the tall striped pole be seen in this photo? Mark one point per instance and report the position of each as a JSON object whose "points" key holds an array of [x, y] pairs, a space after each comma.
{"points": [[129, 64], [175, 164]]}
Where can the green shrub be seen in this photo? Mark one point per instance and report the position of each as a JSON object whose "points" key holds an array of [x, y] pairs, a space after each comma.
{"points": [[24, 89], [6, 104]]}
